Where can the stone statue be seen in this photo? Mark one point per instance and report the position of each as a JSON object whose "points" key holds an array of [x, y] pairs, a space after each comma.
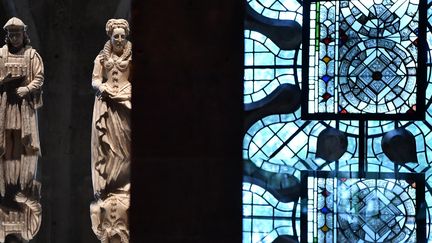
{"points": [[111, 131], [24, 222], [21, 79], [110, 221]]}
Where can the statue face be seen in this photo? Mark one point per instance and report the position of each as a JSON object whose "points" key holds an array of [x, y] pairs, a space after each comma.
{"points": [[118, 39], [16, 38]]}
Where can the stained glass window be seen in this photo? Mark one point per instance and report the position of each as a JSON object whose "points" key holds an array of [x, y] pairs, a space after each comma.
{"points": [[266, 217], [266, 66], [377, 186], [363, 58], [277, 9], [373, 209]]}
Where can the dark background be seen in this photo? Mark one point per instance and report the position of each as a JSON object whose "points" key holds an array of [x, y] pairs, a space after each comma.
{"points": [[187, 115], [187, 118]]}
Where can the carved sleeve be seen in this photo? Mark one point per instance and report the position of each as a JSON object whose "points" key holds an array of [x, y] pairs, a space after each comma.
{"points": [[34, 217], [38, 73], [97, 76], [95, 214]]}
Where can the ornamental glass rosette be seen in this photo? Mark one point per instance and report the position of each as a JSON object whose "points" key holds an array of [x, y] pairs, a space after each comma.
{"points": [[364, 58]]}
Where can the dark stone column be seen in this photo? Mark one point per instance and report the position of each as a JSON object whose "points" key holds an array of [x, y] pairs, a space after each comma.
{"points": [[187, 121]]}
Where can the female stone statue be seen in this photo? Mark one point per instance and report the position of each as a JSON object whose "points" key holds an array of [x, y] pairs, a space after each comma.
{"points": [[111, 135]]}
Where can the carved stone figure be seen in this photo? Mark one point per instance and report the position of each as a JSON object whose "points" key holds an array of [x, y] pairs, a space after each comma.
{"points": [[109, 217], [23, 222], [21, 79], [111, 131]]}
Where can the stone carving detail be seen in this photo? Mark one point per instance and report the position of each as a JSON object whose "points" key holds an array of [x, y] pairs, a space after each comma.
{"points": [[21, 79], [111, 135]]}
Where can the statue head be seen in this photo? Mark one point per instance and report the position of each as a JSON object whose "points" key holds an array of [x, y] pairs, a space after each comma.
{"points": [[117, 30], [16, 36]]}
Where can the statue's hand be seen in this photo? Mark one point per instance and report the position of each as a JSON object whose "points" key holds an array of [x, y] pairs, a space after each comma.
{"points": [[20, 198], [105, 91], [22, 91]]}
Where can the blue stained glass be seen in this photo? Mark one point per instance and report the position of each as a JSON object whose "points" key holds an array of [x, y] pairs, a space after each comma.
{"points": [[414, 129], [287, 117], [264, 52], [248, 74], [273, 143], [264, 59], [285, 230], [298, 141], [286, 79], [262, 225], [280, 61], [253, 149], [278, 6], [428, 196], [256, 6], [248, 87], [270, 120], [262, 137], [246, 186], [326, 78], [429, 153], [247, 197], [285, 153], [281, 72], [363, 58], [375, 130], [286, 54], [245, 154], [257, 36], [420, 143], [304, 151], [259, 85], [302, 148], [258, 96], [247, 223], [285, 206], [272, 46], [247, 210], [249, 59], [388, 127], [270, 237], [276, 127], [271, 87], [429, 92], [270, 167], [270, 14], [262, 211], [281, 9], [373, 168], [259, 47], [246, 236], [249, 45]]}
